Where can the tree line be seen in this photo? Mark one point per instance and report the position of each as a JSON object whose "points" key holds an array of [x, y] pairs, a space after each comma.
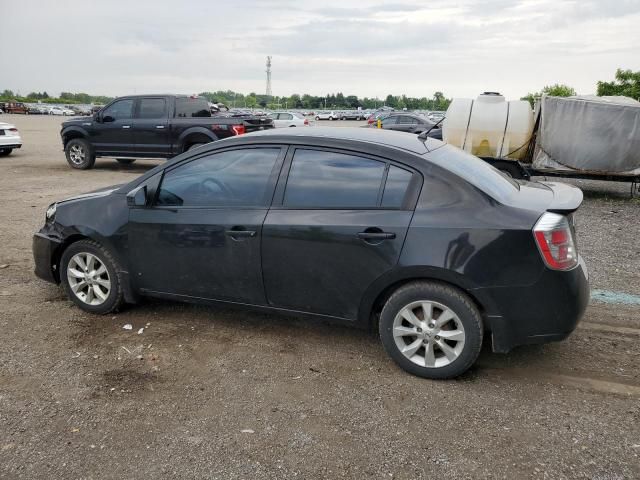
{"points": [[626, 83]]}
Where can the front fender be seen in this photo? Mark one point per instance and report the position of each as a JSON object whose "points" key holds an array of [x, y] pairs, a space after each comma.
{"points": [[72, 131]]}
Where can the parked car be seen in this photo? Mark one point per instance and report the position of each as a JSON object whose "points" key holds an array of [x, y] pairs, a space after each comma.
{"points": [[9, 139], [35, 110], [150, 126], [327, 115], [378, 114], [60, 111], [411, 123], [288, 119], [13, 107], [428, 244], [436, 116], [352, 115]]}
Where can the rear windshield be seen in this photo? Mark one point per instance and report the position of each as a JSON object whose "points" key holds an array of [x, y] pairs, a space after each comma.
{"points": [[475, 171], [192, 107]]}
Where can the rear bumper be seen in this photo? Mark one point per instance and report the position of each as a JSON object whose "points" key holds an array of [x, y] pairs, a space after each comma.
{"points": [[44, 250], [547, 311]]}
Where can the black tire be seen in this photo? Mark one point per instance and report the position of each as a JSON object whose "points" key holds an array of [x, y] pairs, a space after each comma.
{"points": [[80, 154], [4, 152], [125, 161], [115, 298], [317, 118], [456, 301]]}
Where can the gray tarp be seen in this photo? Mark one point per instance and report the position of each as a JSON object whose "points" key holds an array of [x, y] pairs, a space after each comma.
{"points": [[589, 134]]}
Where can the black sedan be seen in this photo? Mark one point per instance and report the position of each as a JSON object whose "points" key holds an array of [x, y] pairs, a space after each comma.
{"points": [[430, 245]]}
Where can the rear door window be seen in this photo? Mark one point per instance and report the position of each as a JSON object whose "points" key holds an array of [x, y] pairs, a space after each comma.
{"points": [[152, 108], [323, 179]]}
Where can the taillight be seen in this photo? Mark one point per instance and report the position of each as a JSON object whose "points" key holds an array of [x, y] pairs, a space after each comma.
{"points": [[238, 129], [13, 130], [306, 122], [554, 237]]}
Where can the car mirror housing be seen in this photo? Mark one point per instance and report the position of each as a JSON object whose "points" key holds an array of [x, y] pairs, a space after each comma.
{"points": [[108, 118], [137, 197]]}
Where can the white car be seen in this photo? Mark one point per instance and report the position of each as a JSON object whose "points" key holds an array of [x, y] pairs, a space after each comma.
{"points": [[60, 111], [325, 115], [9, 139], [288, 119]]}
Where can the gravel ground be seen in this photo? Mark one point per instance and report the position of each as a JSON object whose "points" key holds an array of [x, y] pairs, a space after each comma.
{"points": [[223, 394]]}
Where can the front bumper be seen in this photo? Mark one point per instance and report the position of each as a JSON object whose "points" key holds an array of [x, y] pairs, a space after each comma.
{"points": [[44, 256], [547, 311]]}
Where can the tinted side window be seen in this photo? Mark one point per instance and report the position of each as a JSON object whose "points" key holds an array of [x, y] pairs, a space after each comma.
{"points": [[192, 107], [389, 121], [122, 109], [327, 179], [396, 187], [231, 178], [152, 108], [286, 116]]}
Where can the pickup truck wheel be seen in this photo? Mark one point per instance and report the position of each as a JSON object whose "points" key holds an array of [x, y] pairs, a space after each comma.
{"points": [[80, 154], [125, 161], [5, 151]]}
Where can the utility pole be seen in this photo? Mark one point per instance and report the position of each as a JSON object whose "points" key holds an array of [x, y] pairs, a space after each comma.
{"points": [[268, 92]]}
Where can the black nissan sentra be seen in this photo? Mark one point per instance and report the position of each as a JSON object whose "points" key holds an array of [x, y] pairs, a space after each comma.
{"points": [[432, 246]]}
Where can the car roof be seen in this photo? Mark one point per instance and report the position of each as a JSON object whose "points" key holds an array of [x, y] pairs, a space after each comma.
{"points": [[389, 138]]}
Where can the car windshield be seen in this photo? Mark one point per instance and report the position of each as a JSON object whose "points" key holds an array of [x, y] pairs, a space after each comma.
{"points": [[475, 171]]}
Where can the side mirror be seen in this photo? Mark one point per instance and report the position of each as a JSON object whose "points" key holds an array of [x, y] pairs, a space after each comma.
{"points": [[137, 197], [108, 118]]}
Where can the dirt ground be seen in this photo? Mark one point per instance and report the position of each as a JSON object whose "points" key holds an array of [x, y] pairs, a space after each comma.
{"points": [[224, 394]]}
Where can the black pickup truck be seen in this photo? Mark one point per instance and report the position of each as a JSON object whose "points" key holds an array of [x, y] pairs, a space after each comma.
{"points": [[150, 126]]}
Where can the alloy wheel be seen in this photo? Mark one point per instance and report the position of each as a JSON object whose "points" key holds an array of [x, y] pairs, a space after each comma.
{"points": [[88, 278], [77, 154], [429, 334]]}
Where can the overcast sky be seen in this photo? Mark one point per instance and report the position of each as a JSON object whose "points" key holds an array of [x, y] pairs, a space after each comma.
{"points": [[367, 48]]}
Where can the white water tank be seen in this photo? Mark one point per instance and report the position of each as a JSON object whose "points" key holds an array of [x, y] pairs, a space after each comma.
{"points": [[489, 126]]}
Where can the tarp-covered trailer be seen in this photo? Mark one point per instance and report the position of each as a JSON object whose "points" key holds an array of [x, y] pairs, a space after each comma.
{"points": [[587, 137]]}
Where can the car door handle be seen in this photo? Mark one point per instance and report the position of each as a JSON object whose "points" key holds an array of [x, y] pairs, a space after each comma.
{"points": [[240, 233], [126, 126], [376, 235], [160, 126]]}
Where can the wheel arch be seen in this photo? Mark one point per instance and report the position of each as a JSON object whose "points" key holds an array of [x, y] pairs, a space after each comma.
{"points": [[72, 133], [195, 135], [377, 294], [129, 294]]}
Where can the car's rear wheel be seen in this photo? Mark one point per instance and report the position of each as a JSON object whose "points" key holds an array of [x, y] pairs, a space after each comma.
{"points": [[317, 118], [125, 161], [5, 151], [431, 330], [80, 154], [90, 276]]}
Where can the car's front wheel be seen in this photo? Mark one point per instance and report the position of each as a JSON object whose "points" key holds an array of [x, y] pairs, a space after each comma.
{"points": [[431, 330], [79, 154], [90, 276]]}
